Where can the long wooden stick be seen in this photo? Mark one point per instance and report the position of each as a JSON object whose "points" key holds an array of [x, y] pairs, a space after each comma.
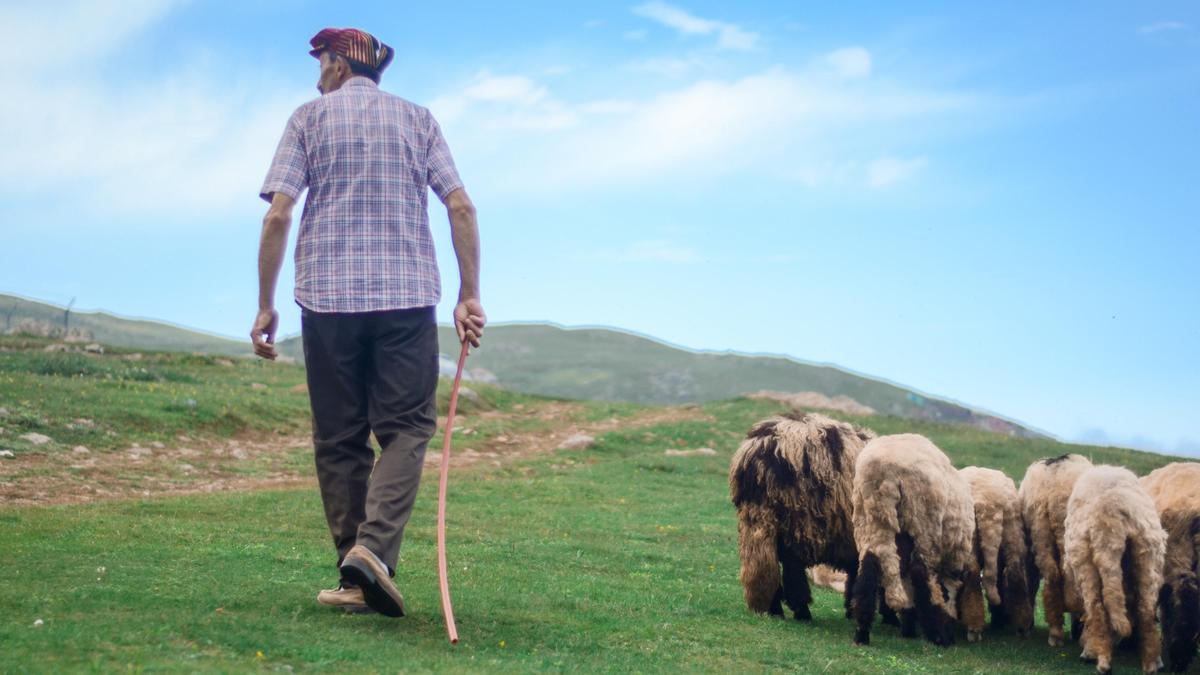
{"points": [[443, 576]]}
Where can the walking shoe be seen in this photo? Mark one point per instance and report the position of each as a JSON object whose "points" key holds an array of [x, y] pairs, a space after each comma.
{"points": [[349, 600], [362, 568]]}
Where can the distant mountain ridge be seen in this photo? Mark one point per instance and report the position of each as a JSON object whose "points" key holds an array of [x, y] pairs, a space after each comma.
{"points": [[581, 363]]}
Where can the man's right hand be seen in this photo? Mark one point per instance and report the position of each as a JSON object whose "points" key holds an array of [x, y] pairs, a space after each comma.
{"points": [[469, 320], [263, 333]]}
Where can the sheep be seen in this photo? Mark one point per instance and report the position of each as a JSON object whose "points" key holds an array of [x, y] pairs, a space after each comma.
{"points": [[1175, 489], [790, 482], [1114, 552], [1001, 553], [914, 522], [1044, 492]]}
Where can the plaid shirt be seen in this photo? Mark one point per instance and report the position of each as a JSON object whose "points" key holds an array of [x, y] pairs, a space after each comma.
{"points": [[366, 157]]}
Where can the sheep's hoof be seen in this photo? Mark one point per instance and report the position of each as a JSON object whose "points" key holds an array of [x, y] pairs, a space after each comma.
{"points": [[1104, 670], [862, 637], [1023, 633], [1055, 640], [803, 614], [974, 636], [1087, 657]]}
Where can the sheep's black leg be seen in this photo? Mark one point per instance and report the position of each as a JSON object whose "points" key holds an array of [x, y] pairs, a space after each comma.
{"points": [[935, 623], [848, 594], [866, 590], [796, 592], [1179, 606], [777, 603], [887, 614], [1076, 626]]}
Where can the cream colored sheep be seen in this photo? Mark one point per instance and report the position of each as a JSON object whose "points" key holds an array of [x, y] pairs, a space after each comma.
{"points": [[1044, 492], [1175, 489], [914, 522], [790, 481], [1001, 553], [1114, 554]]}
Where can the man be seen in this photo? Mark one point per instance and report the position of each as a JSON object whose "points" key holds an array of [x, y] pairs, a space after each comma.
{"points": [[367, 283]]}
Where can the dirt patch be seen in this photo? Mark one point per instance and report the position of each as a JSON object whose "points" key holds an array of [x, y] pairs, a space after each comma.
{"points": [[278, 461]]}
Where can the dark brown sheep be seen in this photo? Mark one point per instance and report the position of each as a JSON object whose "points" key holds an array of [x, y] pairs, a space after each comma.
{"points": [[790, 481]]}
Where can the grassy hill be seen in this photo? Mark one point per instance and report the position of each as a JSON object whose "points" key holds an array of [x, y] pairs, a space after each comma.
{"points": [[612, 365], [617, 558], [117, 331], [593, 364]]}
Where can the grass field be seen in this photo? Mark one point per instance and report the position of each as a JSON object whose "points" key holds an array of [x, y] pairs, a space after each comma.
{"points": [[612, 559]]}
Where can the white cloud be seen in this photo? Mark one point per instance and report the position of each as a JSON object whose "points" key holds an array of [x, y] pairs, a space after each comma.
{"points": [[636, 35], [777, 124], [886, 171], [851, 62], [196, 142], [669, 67], [655, 251], [729, 36], [1161, 27], [72, 32]]}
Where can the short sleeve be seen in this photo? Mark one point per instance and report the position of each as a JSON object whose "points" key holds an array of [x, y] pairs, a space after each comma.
{"points": [[441, 173], [289, 169]]}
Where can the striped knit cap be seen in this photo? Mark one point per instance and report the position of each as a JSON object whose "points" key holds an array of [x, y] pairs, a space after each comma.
{"points": [[355, 45]]}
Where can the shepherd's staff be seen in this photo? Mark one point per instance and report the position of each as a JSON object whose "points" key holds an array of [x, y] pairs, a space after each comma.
{"points": [[443, 577]]}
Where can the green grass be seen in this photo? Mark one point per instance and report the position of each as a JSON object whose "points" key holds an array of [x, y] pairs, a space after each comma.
{"points": [[615, 559]]}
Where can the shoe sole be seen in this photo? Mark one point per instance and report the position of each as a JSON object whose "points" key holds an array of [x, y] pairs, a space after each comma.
{"points": [[374, 595]]}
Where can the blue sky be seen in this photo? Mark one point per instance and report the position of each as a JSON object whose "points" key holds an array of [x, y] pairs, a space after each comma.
{"points": [[990, 203]]}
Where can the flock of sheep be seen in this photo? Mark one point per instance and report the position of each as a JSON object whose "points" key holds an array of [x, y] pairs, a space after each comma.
{"points": [[928, 546]]}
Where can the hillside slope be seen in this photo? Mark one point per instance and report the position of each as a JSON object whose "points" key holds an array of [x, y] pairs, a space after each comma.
{"points": [[115, 330]]}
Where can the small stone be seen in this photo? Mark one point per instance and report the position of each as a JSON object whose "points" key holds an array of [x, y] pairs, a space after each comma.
{"points": [[698, 452], [4, 412], [83, 423], [301, 388], [38, 623], [80, 450], [157, 445], [258, 386], [238, 453], [469, 394], [186, 468], [577, 442], [132, 357], [37, 439], [7, 453], [224, 362], [94, 348], [137, 452]]}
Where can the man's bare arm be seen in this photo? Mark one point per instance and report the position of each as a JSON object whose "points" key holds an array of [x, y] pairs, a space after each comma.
{"points": [[469, 317], [271, 249]]}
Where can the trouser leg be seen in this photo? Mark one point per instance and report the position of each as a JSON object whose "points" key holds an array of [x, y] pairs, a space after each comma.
{"points": [[402, 410], [337, 359]]}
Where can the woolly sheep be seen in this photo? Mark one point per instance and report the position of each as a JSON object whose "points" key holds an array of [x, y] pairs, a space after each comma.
{"points": [[1044, 492], [1114, 551], [1175, 489], [790, 481], [914, 522], [1001, 553]]}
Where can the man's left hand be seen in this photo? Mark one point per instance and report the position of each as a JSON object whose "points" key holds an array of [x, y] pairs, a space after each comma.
{"points": [[469, 320]]}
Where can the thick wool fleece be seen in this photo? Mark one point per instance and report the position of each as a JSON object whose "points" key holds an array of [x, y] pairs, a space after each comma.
{"points": [[790, 481], [1175, 489], [905, 488], [1044, 492], [1115, 547], [1000, 545]]}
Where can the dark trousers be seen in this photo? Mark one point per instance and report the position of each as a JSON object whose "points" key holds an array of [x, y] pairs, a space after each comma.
{"points": [[371, 372]]}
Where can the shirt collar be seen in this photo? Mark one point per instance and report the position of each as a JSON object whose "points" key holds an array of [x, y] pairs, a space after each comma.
{"points": [[359, 81]]}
